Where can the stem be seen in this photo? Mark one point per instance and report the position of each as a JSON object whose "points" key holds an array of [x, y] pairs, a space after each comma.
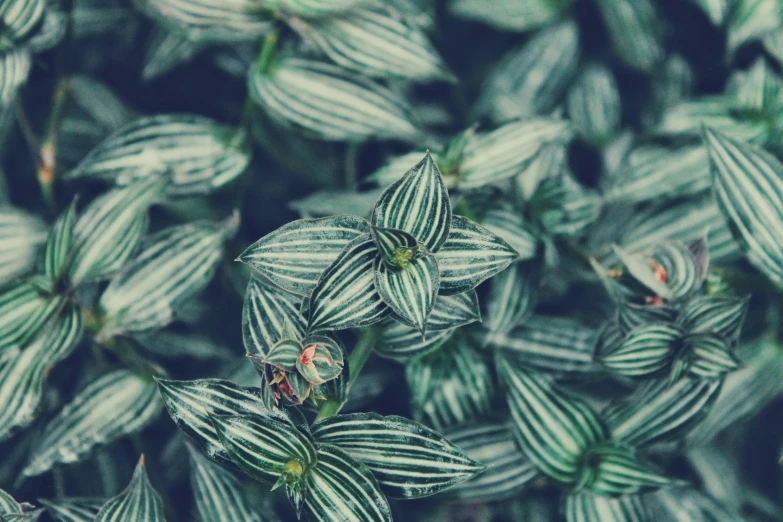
{"points": [[268, 48], [351, 166]]}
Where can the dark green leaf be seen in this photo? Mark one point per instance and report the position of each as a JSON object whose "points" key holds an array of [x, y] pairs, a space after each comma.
{"points": [[410, 292], [265, 312], [138, 502]]}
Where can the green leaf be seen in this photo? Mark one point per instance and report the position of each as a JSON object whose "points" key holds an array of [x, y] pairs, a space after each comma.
{"points": [[631, 315], [507, 151], [59, 245], [325, 101], [315, 8], [587, 507], [508, 470], [641, 269], [173, 266], [511, 227], [322, 359], [73, 509], [408, 460], [594, 104], [262, 446], [564, 207], [21, 235], [716, 10], [22, 377], [418, 204], [410, 292], [452, 311], [200, 154], [403, 343], [752, 19], [8, 504], [687, 118], [20, 18], [758, 91], [210, 20], [635, 31], [191, 403], [748, 185], [345, 296], [523, 15], [284, 354], [610, 469], [710, 356], [397, 248], [218, 493], [115, 405], [167, 51], [552, 428], [23, 312], [296, 255], [339, 487], [139, 501], [265, 313], [15, 67], [550, 162], [110, 228], [511, 299], [376, 41], [471, 255], [397, 166], [646, 350], [51, 30]]}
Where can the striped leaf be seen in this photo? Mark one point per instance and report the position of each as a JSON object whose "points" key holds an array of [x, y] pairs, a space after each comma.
{"points": [[345, 296], [397, 166], [284, 354], [8, 504], [115, 405], [508, 470], [176, 264], [757, 90], [201, 154], [471, 255], [410, 292], [721, 316], [507, 151], [403, 343], [773, 44], [315, 8], [191, 403], [262, 446], [631, 315], [612, 470], [21, 236], [718, 113], [550, 344], [716, 10], [218, 493], [321, 360], [450, 386], [660, 411], [688, 504], [511, 227], [14, 69], [552, 428], [594, 104], [73, 509], [59, 245], [417, 204], [20, 18], [533, 79], [646, 350], [265, 313], [210, 20], [587, 507], [564, 207], [452, 311], [408, 460], [710, 356], [752, 19], [549, 162], [22, 378], [139, 501], [396, 247], [51, 31], [673, 84], [511, 300], [521, 15], [635, 31], [375, 41], [24, 309], [167, 51], [330, 103], [295, 255], [341, 488], [109, 230], [748, 184]]}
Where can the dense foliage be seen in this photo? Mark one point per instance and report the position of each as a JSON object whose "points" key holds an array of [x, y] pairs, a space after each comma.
{"points": [[355, 260]]}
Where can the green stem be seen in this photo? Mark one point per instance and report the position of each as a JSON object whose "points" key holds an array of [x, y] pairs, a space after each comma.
{"points": [[268, 48], [356, 361]]}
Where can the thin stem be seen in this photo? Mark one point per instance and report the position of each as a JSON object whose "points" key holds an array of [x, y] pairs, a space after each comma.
{"points": [[268, 48], [352, 166]]}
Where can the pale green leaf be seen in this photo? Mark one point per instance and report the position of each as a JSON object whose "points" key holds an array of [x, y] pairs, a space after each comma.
{"points": [[167, 51], [59, 245], [635, 31], [21, 236], [594, 104], [511, 227], [15, 67], [587, 507], [752, 19], [520, 15], [138, 502], [73, 509], [24, 309], [410, 292]]}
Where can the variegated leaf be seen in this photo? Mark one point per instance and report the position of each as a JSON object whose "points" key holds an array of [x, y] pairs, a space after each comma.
{"points": [[328, 102], [631, 315], [339, 487], [109, 229], [20, 18], [508, 470], [521, 15], [417, 204], [673, 84], [716, 10], [115, 405], [404, 343], [511, 299], [262, 446], [594, 104], [139, 501], [635, 31], [646, 350], [612, 470], [471, 255], [191, 403], [552, 428], [8, 504], [758, 90], [397, 166], [587, 507], [73, 509], [716, 112], [265, 313], [24, 309], [296, 255], [752, 19], [376, 41], [564, 207], [687, 504], [59, 245], [396, 247], [410, 292], [550, 162], [200, 154], [511, 227], [51, 30], [748, 185], [167, 51], [773, 44], [722, 316], [710, 356], [452, 311], [408, 460], [345, 295], [314, 8], [176, 264], [21, 236], [14, 69]]}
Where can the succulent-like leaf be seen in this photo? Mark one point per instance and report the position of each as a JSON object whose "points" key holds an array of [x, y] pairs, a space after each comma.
{"points": [[635, 31], [296, 255], [522, 15], [21, 235], [396, 247], [410, 292], [176, 264], [138, 502], [587, 507], [408, 460], [284, 354], [471, 255], [73, 509], [402, 343], [23, 312], [321, 360], [612, 470], [647, 349], [262, 446], [508, 470], [511, 299], [552, 428], [594, 104], [110, 228], [376, 41], [417, 204], [749, 187], [191, 403], [117, 404], [59, 245], [341, 487], [511, 227], [265, 313], [328, 102], [345, 296]]}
